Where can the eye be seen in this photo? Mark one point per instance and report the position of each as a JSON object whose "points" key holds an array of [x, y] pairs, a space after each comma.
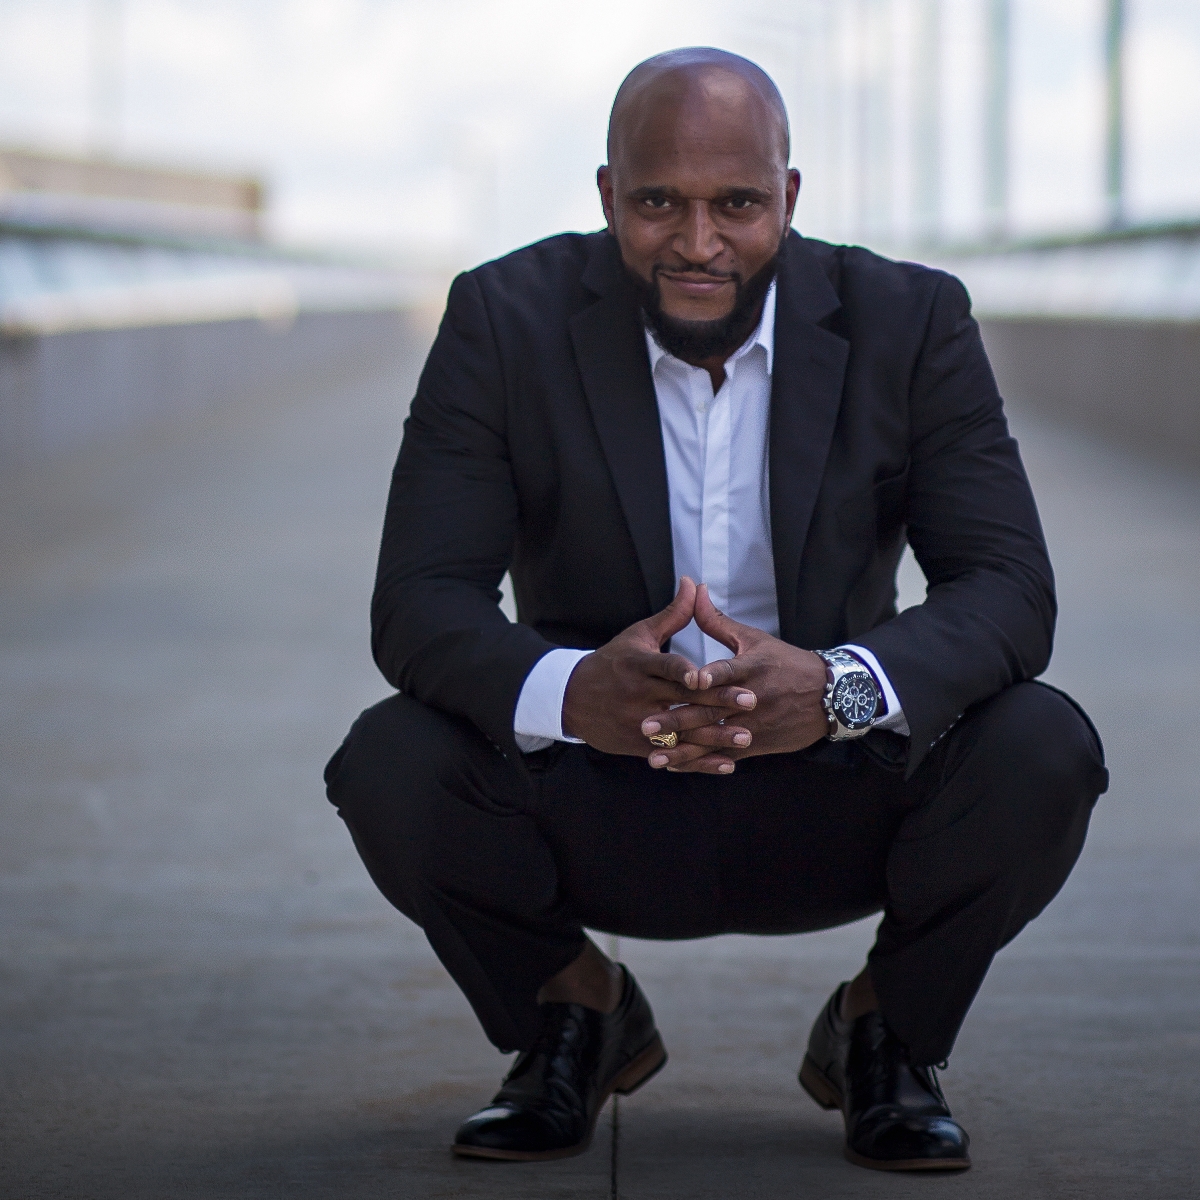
{"points": [[658, 203], [739, 203]]}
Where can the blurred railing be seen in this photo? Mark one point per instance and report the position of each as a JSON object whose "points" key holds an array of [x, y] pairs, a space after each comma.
{"points": [[1101, 330]]}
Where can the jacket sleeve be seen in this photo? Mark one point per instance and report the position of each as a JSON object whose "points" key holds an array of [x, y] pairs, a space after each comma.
{"points": [[988, 618], [437, 631]]}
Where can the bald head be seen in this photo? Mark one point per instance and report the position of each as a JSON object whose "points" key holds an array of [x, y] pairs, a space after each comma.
{"points": [[693, 82], [698, 193]]}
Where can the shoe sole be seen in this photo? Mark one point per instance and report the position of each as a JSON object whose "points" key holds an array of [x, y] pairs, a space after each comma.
{"points": [[641, 1069], [820, 1087]]}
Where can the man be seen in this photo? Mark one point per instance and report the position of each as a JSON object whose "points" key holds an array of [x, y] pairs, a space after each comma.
{"points": [[699, 402]]}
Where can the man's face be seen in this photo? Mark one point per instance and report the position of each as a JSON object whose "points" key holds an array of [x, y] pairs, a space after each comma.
{"points": [[698, 196]]}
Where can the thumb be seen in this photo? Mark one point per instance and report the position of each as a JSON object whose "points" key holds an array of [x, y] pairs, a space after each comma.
{"points": [[676, 616], [716, 624]]}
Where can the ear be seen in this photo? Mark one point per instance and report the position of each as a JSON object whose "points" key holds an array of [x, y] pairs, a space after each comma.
{"points": [[604, 183], [791, 193]]}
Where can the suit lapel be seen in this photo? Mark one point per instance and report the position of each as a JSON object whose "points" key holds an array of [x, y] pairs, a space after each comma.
{"points": [[808, 371], [610, 350]]}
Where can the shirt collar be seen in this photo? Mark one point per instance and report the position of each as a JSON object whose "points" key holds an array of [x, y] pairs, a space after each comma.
{"points": [[763, 336]]}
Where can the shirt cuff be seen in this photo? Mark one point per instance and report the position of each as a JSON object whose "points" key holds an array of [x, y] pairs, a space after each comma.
{"points": [[894, 720], [537, 721]]}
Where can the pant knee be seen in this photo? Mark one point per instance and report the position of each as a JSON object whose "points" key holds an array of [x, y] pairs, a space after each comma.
{"points": [[379, 780], [365, 771], [1044, 762], [1054, 740], [1006, 825], [428, 801]]}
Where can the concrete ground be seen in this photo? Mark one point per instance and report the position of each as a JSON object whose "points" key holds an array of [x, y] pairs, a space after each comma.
{"points": [[204, 996]]}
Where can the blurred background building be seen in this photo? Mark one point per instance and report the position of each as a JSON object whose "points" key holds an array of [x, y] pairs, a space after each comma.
{"points": [[1046, 150], [132, 293]]}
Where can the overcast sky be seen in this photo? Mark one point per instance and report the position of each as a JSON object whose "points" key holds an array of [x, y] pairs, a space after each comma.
{"points": [[462, 128]]}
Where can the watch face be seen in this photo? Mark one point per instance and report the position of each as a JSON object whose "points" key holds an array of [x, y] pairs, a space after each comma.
{"points": [[854, 699]]}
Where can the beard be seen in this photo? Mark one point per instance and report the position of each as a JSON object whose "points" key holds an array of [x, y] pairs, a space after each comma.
{"points": [[697, 341]]}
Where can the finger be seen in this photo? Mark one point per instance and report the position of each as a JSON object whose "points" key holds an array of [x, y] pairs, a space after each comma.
{"points": [[674, 668], [706, 764], [676, 757], [691, 758], [690, 716], [710, 764], [742, 697], [716, 736], [730, 701], [712, 735], [724, 674], [716, 624], [676, 616]]}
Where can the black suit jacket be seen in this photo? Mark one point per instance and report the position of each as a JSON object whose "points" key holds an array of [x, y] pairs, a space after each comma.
{"points": [[534, 445]]}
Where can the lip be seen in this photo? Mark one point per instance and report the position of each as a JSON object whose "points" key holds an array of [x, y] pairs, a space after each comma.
{"points": [[696, 285]]}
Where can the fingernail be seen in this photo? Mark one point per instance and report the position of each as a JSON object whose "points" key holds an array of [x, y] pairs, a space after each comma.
{"points": [[649, 727], [707, 680], [726, 768], [746, 699], [690, 679], [658, 760], [741, 739]]}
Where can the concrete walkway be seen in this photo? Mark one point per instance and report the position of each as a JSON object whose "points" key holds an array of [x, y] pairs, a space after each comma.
{"points": [[204, 996]]}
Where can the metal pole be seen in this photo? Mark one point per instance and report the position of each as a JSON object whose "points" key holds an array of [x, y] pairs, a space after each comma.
{"points": [[883, 120], [821, 163], [873, 63], [995, 136], [106, 76], [845, 78], [1114, 142], [862, 132], [927, 112]]}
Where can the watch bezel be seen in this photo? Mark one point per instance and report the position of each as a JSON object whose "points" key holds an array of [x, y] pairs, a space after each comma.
{"points": [[841, 666], [850, 679]]}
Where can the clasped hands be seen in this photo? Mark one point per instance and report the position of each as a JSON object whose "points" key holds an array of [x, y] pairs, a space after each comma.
{"points": [[764, 700]]}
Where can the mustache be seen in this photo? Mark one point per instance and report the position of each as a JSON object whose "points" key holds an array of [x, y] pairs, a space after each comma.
{"points": [[694, 269], [695, 340]]}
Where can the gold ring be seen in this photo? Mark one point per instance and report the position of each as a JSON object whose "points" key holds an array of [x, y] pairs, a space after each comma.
{"points": [[668, 741]]}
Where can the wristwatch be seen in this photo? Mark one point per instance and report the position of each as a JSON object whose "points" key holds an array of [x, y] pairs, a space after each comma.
{"points": [[852, 699]]}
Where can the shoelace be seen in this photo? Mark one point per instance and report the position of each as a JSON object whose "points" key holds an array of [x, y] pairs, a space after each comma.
{"points": [[562, 1041]]}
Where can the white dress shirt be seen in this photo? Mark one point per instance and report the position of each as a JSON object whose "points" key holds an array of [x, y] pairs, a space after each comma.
{"points": [[718, 481]]}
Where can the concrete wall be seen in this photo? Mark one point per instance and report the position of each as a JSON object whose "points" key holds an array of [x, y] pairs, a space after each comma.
{"points": [[1135, 383], [62, 391]]}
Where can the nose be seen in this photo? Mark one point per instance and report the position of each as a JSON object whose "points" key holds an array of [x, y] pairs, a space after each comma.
{"points": [[698, 241]]}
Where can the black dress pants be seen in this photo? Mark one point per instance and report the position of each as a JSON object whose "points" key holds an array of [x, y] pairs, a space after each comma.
{"points": [[503, 868]]}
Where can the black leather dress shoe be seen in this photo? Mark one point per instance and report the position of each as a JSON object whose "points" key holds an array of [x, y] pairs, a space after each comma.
{"points": [[549, 1101], [896, 1116]]}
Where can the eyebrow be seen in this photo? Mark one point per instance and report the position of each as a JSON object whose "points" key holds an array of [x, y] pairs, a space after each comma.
{"points": [[733, 193]]}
